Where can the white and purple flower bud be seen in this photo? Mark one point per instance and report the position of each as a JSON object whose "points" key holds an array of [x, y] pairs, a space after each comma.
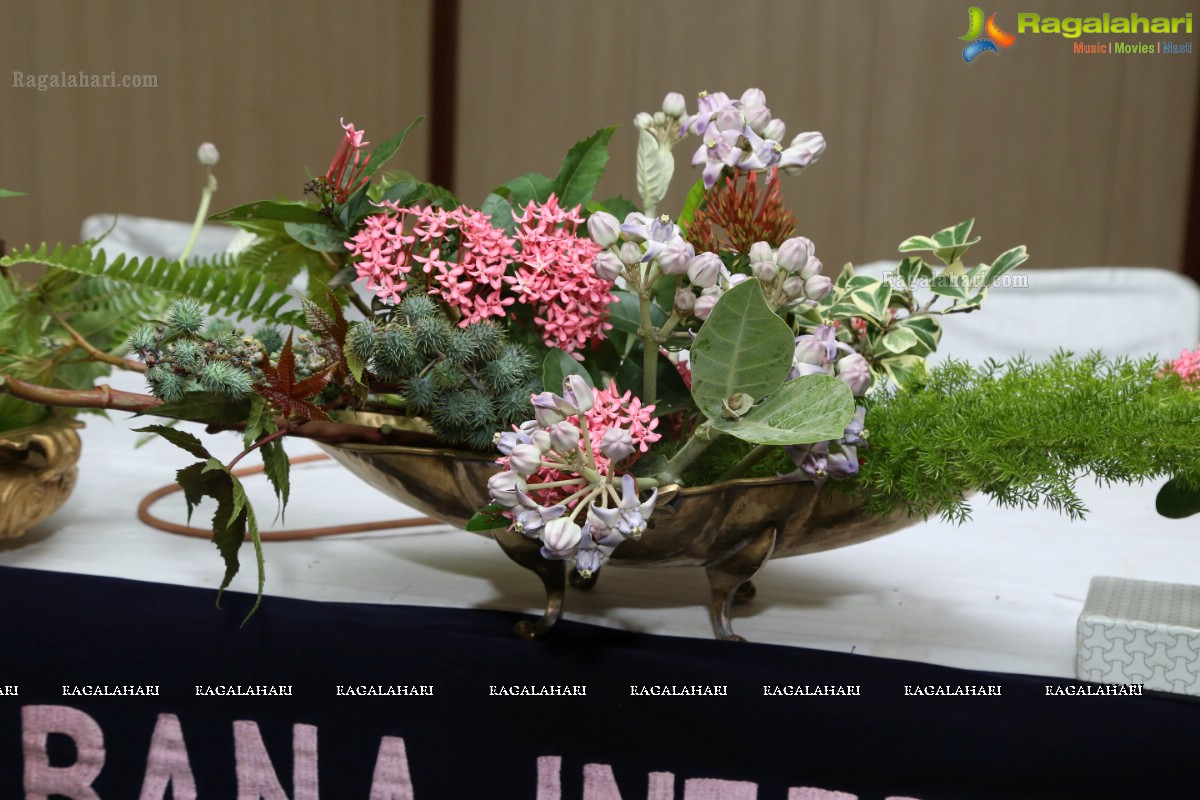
{"points": [[608, 266], [774, 130], [564, 437], [503, 487], [541, 440], [510, 439], [811, 267], [674, 105], [617, 444], [588, 561], [636, 227], [531, 517], [604, 228], [793, 287], [757, 118], [673, 258], [560, 536], [810, 350], [631, 254], [794, 253], [547, 408], [842, 462], [752, 98], [207, 155], [705, 270], [685, 301], [818, 286], [856, 432], [765, 271], [577, 392], [706, 301], [805, 149], [735, 279], [761, 252], [729, 119], [525, 459], [855, 372], [643, 121]]}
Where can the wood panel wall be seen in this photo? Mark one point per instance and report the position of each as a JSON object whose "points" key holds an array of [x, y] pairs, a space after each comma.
{"points": [[1085, 159], [265, 81]]}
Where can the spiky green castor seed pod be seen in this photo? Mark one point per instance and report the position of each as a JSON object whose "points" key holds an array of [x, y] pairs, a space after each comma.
{"points": [[481, 411], [447, 376], [501, 374], [519, 356], [270, 338], [395, 353], [460, 347], [185, 316], [217, 327], [450, 412], [514, 406], [488, 339], [221, 377], [226, 341], [419, 394], [431, 334], [482, 439], [417, 306], [186, 354], [360, 340], [144, 338]]}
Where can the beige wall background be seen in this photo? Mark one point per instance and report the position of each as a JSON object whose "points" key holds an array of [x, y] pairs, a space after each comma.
{"points": [[1086, 159]]}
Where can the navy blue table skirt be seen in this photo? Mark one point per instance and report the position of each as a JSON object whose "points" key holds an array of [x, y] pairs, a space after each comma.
{"points": [[458, 708]]}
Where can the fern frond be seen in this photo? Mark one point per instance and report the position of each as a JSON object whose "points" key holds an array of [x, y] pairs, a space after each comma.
{"points": [[218, 283]]}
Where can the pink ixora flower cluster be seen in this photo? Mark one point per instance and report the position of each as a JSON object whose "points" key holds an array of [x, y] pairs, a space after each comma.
{"points": [[566, 461], [547, 266], [570, 301], [1187, 366], [472, 281]]}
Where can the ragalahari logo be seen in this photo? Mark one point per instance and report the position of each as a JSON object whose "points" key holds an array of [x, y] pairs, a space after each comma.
{"points": [[983, 37]]}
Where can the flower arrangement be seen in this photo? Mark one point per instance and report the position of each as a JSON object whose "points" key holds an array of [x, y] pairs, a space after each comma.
{"points": [[605, 350]]}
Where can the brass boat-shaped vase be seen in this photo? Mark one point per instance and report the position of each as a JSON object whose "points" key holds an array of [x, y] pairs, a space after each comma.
{"points": [[37, 472], [731, 529]]}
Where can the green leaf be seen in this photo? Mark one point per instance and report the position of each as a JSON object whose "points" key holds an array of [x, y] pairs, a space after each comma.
{"points": [[625, 313], [384, 152], [488, 518], [907, 371], [619, 206], [206, 407], [266, 209], [404, 193], [349, 212], [1006, 263], [917, 243], [582, 169], [814, 408], [871, 298], [927, 330], [501, 213], [913, 270], [948, 244], [259, 422], [1176, 501], [181, 439], [557, 366], [691, 204], [322, 238], [950, 285], [10, 193], [672, 393], [532, 187], [742, 348], [899, 339], [278, 471]]}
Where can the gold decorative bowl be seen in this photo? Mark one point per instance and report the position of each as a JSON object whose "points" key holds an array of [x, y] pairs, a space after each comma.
{"points": [[731, 529], [37, 472]]}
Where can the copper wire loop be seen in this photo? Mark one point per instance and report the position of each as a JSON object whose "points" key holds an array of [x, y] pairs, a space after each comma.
{"points": [[295, 534]]}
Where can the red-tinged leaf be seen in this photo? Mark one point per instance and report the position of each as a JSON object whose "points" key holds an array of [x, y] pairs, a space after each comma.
{"points": [[333, 331], [282, 390]]}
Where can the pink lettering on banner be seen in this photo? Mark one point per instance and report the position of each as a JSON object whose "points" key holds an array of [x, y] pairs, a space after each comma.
{"points": [[713, 789], [391, 780], [168, 764], [75, 781], [256, 776], [808, 793]]}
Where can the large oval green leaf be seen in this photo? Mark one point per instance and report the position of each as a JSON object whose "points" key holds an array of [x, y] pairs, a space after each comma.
{"points": [[814, 408], [743, 348]]}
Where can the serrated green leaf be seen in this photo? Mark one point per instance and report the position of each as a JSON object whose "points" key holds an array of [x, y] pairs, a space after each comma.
{"points": [[1176, 500], [278, 471], [488, 518], [268, 210], [181, 439], [742, 348], [582, 169], [384, 152], [321, 238], [259, 422], [814, 408], [557, 366]]}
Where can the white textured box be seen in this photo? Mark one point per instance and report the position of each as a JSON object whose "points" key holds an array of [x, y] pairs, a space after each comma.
{"points": [[1140, 632]]}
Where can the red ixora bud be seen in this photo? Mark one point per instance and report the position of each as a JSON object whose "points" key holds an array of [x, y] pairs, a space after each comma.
{"points": [[345, 173]]}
